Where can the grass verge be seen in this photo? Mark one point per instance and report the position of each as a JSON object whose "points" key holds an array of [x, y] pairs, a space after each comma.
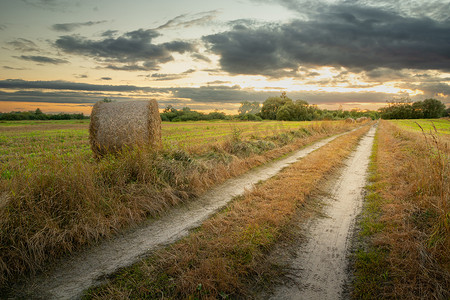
{"points": [[227, 255], [52, 206], [405, 226]]}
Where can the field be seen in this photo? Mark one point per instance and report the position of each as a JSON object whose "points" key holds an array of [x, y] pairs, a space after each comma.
{"points": [[441, 125], [28, 139], [56, 197]]}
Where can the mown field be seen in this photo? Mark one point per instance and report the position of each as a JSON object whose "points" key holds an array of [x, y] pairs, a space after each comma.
{"points": [[55, 197]]}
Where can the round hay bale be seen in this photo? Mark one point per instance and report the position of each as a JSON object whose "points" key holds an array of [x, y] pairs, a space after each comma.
{"points": [[349, 120], [115, 125]]}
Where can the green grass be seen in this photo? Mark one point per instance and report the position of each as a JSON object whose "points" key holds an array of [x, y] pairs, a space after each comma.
{"points": [[442, 125], [370, 261]]}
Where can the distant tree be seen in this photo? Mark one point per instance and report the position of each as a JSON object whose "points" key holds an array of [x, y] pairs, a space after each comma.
{"points": [[428, 108], [433, 108], [272, 104], [249, 108]]}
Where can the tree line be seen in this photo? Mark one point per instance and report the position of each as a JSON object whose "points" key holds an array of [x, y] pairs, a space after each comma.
{"points": [[39, 115], [406, 109], [280, 108]]}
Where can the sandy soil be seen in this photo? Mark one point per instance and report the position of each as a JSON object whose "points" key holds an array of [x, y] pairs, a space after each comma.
{"points": [[70, 277], [316, 262]]}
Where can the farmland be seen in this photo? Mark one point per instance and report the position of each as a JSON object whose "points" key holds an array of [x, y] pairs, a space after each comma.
{"points": [[29, 139], [55, 197]]}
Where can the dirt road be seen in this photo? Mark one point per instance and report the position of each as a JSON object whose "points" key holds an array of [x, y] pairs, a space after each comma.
{"points": [[318, 266], [69, 278]]}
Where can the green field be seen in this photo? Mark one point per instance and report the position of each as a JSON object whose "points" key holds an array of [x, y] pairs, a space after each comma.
{"points": [[442, 125], [21, 140]]}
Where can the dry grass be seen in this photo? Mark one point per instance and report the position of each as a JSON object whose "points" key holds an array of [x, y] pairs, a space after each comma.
{"points": [[413, 236], [55, 205], [225, 257]]}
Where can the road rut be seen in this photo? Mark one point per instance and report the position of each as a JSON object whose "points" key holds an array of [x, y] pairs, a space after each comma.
{"points": [[320, 264]]}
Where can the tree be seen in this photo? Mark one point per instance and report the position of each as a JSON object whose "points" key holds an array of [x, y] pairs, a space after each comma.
{"points": [[286, 112], [249, 108], [433, 108], [272, 104]]}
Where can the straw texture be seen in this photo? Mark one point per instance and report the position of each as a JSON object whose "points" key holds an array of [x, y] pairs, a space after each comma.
{"points": [[115, 125]]}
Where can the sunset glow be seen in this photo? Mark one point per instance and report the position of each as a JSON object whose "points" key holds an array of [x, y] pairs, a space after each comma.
{"points": [[63, 56]]}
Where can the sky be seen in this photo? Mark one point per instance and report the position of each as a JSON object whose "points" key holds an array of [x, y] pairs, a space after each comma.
{"points": [[65, 55]]}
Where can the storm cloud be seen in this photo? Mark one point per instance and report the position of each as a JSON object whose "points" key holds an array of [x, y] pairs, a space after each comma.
{"points": [[343, 35], [134, 48]]}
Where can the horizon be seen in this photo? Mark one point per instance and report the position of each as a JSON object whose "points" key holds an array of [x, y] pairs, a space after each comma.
{"points": [[63, 56]]}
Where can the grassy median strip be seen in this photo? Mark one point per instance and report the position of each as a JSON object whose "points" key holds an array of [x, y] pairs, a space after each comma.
{"points": [[406, 223], [228, 253]]}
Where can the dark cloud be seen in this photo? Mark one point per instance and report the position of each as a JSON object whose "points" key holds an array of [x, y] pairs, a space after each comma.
{"points": [[23, 45], [167, 77], [435, 90], [51, 97], [128, 49], [67, 85], [43, 59], [67, 27], [185, 20], [12, 68], [200, 57], [110, 33], [106, 78], [341, 35], [72, 92]]}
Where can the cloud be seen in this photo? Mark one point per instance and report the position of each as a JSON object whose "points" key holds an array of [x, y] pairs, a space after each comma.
{"points": [[106, 78], [12, 68], [67, 27], [341, 35], [3, 27], [167, 77], [200, 57], [43, 59], [185, 20], [23, 45], [73, 92], [67, 85], [128, 49], [52, 5]]}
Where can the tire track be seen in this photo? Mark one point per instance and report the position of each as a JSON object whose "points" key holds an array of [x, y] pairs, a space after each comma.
{"points": [[319, 265]]}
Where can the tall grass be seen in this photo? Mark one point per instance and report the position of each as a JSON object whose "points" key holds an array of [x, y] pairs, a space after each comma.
{"points": [[52, 206], [412, 240], [226, 256]]}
